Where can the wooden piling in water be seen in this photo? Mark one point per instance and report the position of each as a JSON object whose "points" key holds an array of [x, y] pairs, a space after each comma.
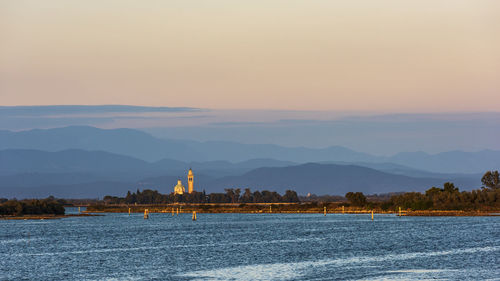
{"points": [[400, 211], [129, 211], [342, 209], [146, 214], [372, 214], [324, 210], [194, 215]]}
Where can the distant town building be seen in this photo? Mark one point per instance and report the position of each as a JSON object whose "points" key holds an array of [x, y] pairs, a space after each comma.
{"points": [[180, 189]]}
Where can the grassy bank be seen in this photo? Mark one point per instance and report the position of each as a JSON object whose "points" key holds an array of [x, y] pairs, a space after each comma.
{"points": [[302, 208], [452, 213]]}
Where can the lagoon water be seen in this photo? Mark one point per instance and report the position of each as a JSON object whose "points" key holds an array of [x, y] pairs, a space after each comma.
{"points": [[251, 247]]}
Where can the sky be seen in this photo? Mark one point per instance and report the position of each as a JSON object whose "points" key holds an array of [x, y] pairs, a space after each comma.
{"points": [[385, 134], [375, 76], [378, 57]]}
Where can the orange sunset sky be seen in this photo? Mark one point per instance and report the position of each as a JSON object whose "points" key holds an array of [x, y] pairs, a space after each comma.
{"points": [[378, 56]]}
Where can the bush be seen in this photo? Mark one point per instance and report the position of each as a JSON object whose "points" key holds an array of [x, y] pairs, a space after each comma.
{"points": [[31, 207]]}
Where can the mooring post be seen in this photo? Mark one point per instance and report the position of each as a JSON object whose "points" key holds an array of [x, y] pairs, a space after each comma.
{"points": [[372, 214], [172, 211], [194, 215], [342, 209], [324, 210], [129, 211], [146, 214], [399, 211]]}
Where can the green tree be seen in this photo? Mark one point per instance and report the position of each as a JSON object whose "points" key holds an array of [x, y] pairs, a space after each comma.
{"points": [[247, 196], [491, 179], [290, 196], [257, 197], [449, 187], [230, 192], [433, 191], [270, 197], [18, 209], [356, 198], [237, 192]]}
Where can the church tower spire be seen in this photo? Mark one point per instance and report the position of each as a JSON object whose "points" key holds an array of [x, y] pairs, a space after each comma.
{"points": [[190, 181]]}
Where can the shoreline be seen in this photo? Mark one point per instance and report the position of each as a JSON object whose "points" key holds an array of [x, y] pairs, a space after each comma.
{"points": [[46, 217], [278, 208]]}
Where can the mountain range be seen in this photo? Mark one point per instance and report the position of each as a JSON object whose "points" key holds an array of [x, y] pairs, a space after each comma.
{"points": [[75, 173], [146, 147]]}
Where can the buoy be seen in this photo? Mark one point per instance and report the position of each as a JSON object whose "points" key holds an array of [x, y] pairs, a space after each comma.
{"points": [[325, 211], [372, 214], [194, 215]]}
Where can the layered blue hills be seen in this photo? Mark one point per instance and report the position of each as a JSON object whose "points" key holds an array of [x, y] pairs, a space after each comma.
{"points": [[138, 144], [75, 173]]}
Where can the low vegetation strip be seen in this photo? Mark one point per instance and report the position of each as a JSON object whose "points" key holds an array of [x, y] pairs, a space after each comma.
{"points": [[47, 206], [310, 207], [277, 208], [445, 201], [44, 217], [437, 213]]}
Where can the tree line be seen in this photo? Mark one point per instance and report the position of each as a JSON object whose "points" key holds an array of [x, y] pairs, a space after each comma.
{"points": [[231, 195], [446, 198], [31, 207]]}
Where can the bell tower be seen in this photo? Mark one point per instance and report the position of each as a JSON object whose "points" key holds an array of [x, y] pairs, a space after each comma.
{"points": [[190, 181]]}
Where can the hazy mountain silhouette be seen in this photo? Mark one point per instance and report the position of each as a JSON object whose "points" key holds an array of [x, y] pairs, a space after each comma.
{"points": [[399, 169], [106, 164], [121, 141], [73, 160], [80, 190], [451, 161], [24, 172], [146, 147], [82, 173], [331, 179]]}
